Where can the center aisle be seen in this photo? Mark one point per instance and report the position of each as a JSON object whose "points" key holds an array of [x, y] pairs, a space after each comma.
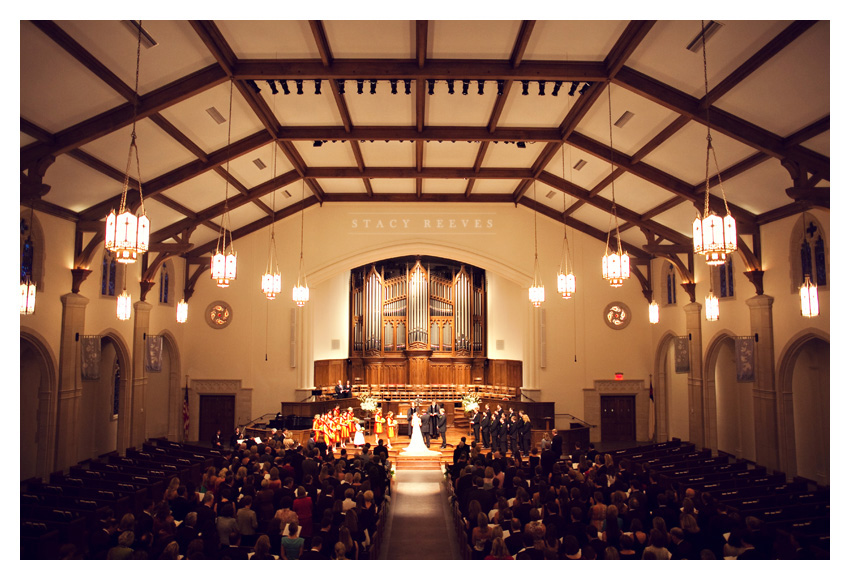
{"points": [[419, 526]]}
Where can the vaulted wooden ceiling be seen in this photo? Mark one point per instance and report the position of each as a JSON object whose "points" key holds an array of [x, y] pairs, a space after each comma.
{"points": [[461, 111]]}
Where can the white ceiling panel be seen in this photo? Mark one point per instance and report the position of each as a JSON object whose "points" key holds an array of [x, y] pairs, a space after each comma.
{"points": [[819, 144], [342, 185], [535, 110], [371, 38], [80, 186], [470, 110], [793, 91], [443, 185], [511, 155], [161, 215], [382, 108], [573, 39], [308, 108], [757, 189], [249, 174], [191, 118], [392, 154], [593, 217], [472, 38], [178, 52], [57, 91], [158, 153], [200, 192], [495, 185], [664, 54], [448, 154], [683, 154], [393, 185], [649, 118], [269, 38], [636, 194], [329, 154]]}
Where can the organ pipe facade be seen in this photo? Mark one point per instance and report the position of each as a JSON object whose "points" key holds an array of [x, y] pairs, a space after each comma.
{"points": [[418, 304]]}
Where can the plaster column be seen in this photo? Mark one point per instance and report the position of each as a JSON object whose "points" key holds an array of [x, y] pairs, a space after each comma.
{"points": [[696, 384], [764, 387], [70, 380], [141, 327]]}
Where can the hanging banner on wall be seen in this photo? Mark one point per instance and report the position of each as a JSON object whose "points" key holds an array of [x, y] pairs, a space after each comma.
{"points": [[153, 353], [683, 364], [90, 357], [745, 347]]}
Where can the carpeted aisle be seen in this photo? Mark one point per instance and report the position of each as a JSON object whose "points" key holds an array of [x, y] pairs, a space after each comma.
{"points": [[419, 526]]}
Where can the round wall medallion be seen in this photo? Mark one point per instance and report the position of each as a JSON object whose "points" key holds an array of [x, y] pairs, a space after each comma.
{"points": [[219, 314], [617, 315]]}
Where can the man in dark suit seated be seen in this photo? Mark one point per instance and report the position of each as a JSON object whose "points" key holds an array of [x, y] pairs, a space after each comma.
{"points": [[315, 551]]}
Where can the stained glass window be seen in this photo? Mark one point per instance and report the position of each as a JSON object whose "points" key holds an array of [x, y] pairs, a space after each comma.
{"points": [[163, 285], [727, 286], [671, 285], [107, 275]]}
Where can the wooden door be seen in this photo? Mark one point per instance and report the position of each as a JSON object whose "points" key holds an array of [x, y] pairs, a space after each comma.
{"points": [[216, 412], [618, 418]]}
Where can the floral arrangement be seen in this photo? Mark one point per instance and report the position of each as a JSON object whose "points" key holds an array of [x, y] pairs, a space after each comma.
{"points": [[470, 402], [368, 403]]}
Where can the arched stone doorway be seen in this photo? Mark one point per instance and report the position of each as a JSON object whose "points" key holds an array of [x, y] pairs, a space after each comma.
{"points": [[729, 412], [105, 408], [670, 393], [38, 406], [163, 395], [803, 405]]}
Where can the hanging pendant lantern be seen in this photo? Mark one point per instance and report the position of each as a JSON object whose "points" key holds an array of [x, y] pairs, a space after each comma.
{"points": [[653, 312], [300, 292], [223, 265], [712, 307], [182, 311], [536, 292], [566, 278], [125, 306], [127, 235], [615, 266], [27, 297], [809, 299], [714, 237]]}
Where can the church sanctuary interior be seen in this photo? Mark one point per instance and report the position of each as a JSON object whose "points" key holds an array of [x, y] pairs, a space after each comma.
{"points": [[591, 258]]}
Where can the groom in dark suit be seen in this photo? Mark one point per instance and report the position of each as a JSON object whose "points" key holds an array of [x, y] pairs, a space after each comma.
{"points": [[426, 427]]}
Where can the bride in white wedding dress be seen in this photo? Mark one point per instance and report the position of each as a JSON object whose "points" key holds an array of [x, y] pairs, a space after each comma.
{"points": [[417, 443]]}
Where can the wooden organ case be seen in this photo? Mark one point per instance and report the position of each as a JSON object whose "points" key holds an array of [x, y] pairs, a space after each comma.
{"points": [[418, 321]]}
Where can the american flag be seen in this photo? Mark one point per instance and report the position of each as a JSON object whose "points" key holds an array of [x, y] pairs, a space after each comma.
{"points": [[186, 413]]}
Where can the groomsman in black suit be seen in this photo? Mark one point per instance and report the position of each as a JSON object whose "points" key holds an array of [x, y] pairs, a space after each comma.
{"points": [[513, 436], [525, 433], [442, 426], [485, 427], [476, 426], [502, 434]]}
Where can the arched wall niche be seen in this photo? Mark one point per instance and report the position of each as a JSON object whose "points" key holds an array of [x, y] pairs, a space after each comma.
{"points": [[38, 360], [787, 417], [728, 405]]}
